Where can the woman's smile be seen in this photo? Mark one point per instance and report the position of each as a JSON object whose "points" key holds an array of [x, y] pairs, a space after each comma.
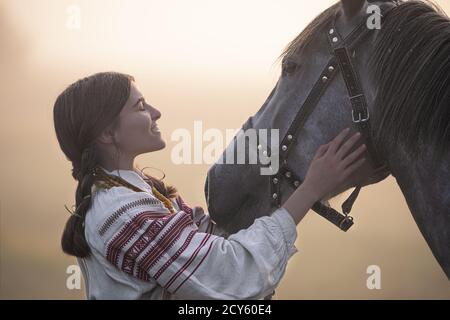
{"points": [[155, 129]]}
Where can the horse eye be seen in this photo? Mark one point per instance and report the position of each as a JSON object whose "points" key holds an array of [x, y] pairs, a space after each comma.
{"points": [[289, 67]]}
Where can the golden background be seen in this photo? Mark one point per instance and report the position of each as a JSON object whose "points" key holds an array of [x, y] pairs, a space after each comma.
{"points": [[213, 61]]}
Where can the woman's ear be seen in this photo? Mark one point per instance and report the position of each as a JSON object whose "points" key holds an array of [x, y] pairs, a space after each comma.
{"points": [[107, 136]]}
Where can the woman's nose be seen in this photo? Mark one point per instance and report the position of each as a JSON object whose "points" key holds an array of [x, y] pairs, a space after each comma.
{"points": [[155, 114]]}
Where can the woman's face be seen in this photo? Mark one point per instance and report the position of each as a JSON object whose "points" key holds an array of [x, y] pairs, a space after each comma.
{"points": [[137, 131]]}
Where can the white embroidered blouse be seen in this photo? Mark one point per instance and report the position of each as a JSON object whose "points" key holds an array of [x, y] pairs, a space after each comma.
{"points": [[139, 250]]}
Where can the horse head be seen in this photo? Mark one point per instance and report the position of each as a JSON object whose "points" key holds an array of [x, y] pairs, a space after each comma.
{"points": [[392, 83]]}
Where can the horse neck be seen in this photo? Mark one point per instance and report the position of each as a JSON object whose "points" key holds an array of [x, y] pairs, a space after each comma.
{"points": [[425, 183]]}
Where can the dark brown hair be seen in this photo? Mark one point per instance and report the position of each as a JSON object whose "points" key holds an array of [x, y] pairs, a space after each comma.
{"points": [[81, 113]]}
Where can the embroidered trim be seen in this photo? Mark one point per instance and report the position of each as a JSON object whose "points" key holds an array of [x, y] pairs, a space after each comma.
{"points": [[130, 256], [166, 242], [201, 261], [129, 231], [123, 237], [176, 255], [113, 218], [143, 275], [188, 263], [183, 206]]}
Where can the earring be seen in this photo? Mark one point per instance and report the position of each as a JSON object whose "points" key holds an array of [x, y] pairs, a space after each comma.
{"points": [[142, 172]]}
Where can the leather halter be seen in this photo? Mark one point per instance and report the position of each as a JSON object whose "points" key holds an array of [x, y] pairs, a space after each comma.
{"points": [[340, 49]]}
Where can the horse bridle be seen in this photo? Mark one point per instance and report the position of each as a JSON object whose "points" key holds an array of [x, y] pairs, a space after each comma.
{"points": [[340, 49]]}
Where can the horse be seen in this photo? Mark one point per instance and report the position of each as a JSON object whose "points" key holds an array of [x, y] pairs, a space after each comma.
{"points": [[391, 83]]}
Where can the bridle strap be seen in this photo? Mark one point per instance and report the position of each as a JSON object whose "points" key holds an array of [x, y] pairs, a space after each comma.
{"points": [[360, 111], [359, 106], [342, 221]]}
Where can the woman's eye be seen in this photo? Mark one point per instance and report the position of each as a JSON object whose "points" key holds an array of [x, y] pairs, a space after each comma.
{"points": [[141, 106]]}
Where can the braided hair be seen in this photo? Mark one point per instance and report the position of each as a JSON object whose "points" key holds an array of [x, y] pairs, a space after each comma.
{"points": [[81, 112]]}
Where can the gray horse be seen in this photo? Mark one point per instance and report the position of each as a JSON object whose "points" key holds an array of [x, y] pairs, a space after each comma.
{"points": [[399, 78]]}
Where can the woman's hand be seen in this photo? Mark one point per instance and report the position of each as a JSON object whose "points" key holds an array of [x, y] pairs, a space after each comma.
{"points": [[333, 164]]}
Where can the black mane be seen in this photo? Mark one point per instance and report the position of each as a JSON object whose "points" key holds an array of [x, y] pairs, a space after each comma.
{"points": [[308, 34], [411, 65]]}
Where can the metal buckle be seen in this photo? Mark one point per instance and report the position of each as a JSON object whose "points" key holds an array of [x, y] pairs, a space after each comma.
{"points": [[360, 119], [347, 218]]}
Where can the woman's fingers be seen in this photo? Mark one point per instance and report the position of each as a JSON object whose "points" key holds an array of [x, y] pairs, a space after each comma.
{"points": [[354, 166], [348, 145], [337, 141], [321, 150], [349, 159]]}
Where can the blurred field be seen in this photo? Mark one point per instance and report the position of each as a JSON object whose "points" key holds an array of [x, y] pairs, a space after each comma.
{"points": [[207, 60]]}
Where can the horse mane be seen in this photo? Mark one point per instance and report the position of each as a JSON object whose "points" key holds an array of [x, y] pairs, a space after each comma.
{"points": [[308, 34], [318, 23], [411, 66]]}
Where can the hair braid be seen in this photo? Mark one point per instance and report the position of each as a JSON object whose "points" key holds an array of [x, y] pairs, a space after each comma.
{"points": [[73, 241]]}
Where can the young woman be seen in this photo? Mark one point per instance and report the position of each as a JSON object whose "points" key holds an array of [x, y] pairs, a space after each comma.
{"points": [[135, 238]]}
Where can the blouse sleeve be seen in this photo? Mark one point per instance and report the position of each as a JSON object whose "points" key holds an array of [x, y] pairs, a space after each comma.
{"points": [[148, 242], [200, 218]]}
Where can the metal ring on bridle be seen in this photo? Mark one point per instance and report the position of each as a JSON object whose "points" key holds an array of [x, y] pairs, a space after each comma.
{"points": [[347, 218]]}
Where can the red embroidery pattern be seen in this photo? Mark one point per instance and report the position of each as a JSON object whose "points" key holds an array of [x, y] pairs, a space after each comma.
{"points": [[129, 231], [176, 255], [143, 275], [165, 242], [160, 226], [142, 243], [183, 206], [113, 218], [210, 227], [198, 265], [188, 263]]}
